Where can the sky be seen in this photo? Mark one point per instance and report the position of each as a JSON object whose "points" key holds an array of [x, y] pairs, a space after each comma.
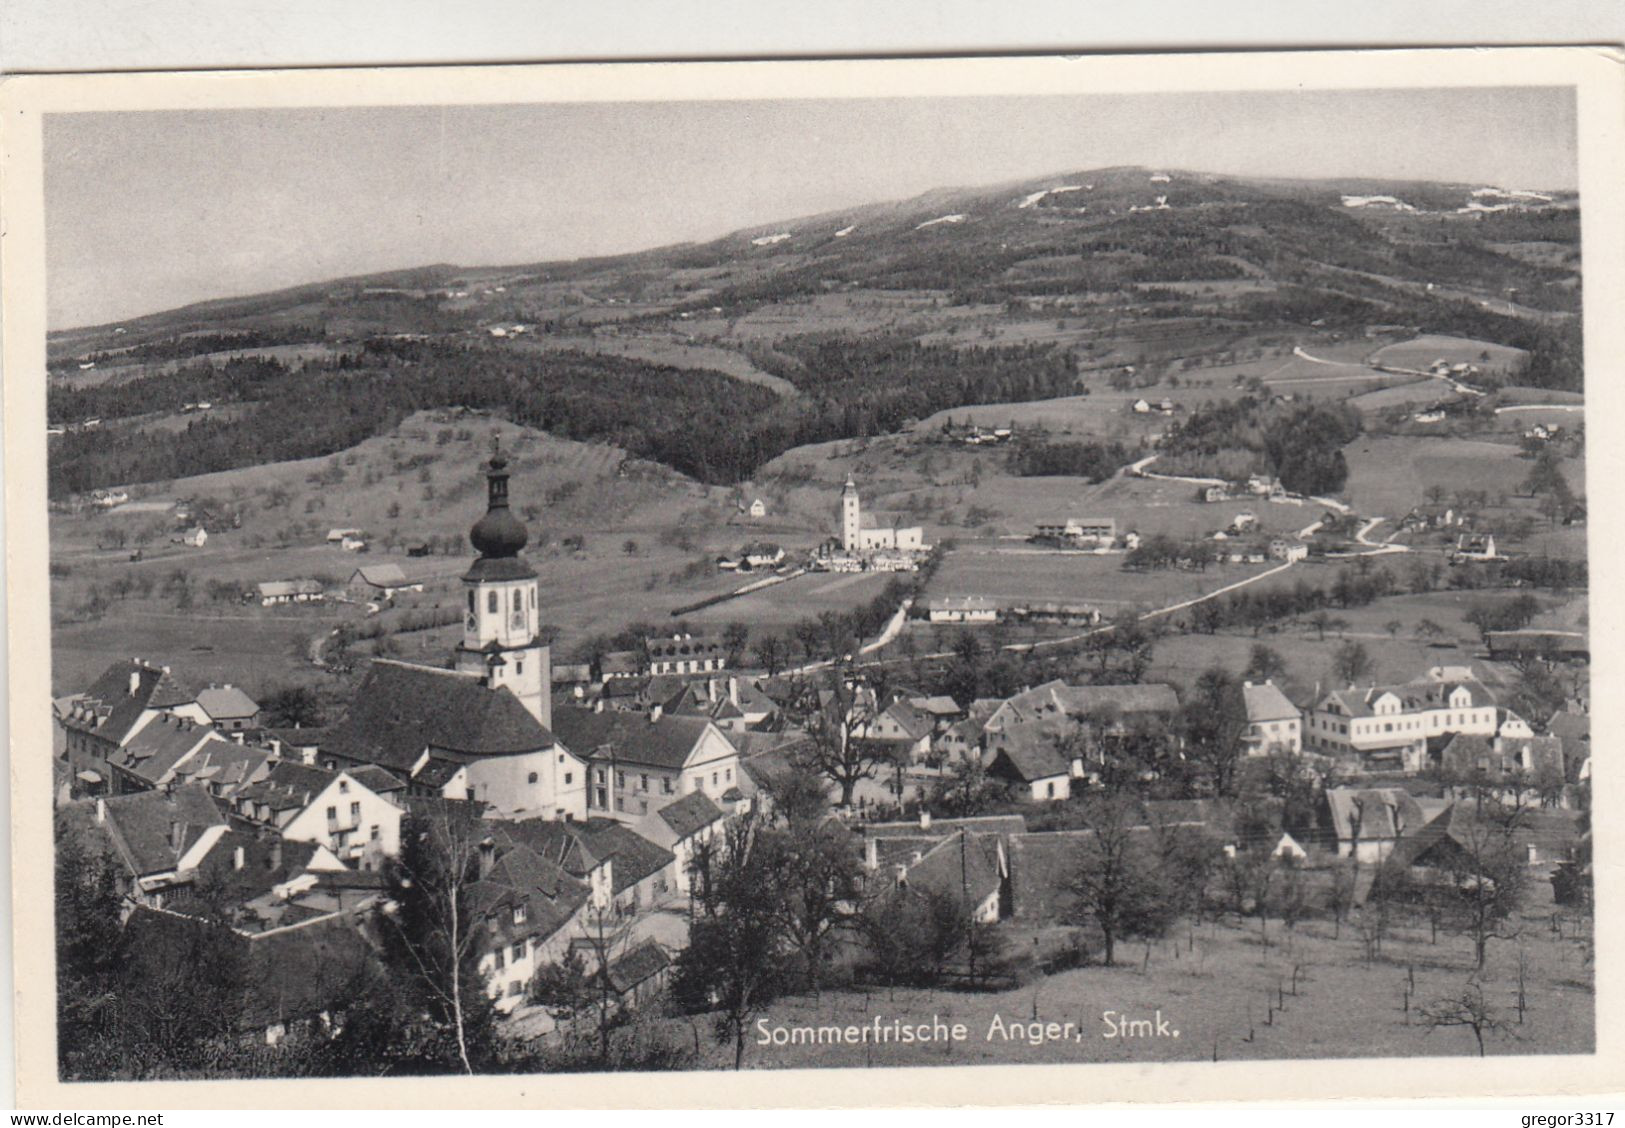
{"points": [[146, 211]]}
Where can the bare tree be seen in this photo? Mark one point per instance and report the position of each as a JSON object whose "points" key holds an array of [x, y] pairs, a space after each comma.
{"points": [[1467, 1009], [431, 930], [1116, 883], [839, 708]]}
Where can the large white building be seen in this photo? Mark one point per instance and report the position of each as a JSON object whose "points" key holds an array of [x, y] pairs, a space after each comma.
{"points": [[856, 538], [1388, 727]]}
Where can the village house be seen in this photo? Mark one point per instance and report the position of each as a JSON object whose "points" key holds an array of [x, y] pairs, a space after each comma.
{"points": [[758, 508], [730, 703], [683, 826], [149, 758], [1274, 724], [528, 908], [1367, 822], [1099, 531], [1212, 494], [904, 729], [962, 609], [640, 761], [99, 721], [958, 863], [225, 707], [339, 536], [195, 537], [1455, 840], [1387, 728], [224, 767], [762, 554], [1474, 548], [626, 872], [379, 581], [1029, 757], [573, 678], [157, 838], [274, 592], [620, 664], [1288, 551], [1055, 700], [684, 654], [334, 809]]}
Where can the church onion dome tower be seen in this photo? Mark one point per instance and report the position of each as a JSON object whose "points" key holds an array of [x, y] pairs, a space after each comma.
{"points": [[498, 536], [502, 624]]}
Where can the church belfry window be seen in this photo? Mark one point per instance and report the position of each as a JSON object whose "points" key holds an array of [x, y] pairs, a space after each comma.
{"points": [[491, 602], [471, 607]]}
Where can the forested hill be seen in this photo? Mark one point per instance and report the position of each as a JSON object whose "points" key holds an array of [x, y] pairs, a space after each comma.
{"points": [[875, 315]]}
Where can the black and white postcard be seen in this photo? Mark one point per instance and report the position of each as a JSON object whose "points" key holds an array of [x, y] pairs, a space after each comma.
{"points": [[1027, 568]]}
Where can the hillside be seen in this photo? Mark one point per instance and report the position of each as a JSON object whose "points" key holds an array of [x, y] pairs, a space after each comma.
{"points": [[715, 358]]}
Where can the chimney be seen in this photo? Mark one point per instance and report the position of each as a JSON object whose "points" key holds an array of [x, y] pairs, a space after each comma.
{"points": [[101, 810], [135, 680], [733, 690], [925, 819], [488, 857], [871, 853], [654, 713], [914, 858], [598, 705], [275, 860], [237, 858], [177, 833]]}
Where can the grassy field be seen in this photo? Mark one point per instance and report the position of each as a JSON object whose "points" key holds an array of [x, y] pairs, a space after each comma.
{"points": [[1423, 351], [1389, 475], [1010, 575], [1220, 987], [1416, 393], [803, 597], [1397, 656]]}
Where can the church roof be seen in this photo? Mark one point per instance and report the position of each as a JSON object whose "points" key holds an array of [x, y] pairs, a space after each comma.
{"points": [[401, 709]]}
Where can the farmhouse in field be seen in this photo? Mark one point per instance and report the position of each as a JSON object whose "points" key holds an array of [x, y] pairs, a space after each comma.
{"points": [[1474, 548], [1079, 530], [274, 592], [962, 609], [380, 581], [195, 537], [1288, 550]]}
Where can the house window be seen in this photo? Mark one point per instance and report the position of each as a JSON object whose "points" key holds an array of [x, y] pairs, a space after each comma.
{"points": [[491, 602], [643, 782], [699, 782], [665, 785], [568, 776], [532, 778], [1049, 789], [332, 814], [519, 951], [515, 987], [519, 914], [355, 810], [374, 834], [600, 773], [501, 959], [620, 781], [518, 669], [344, 787], [713, 779], [728, 775], [620, 804], [603, 798], [471, 607]]}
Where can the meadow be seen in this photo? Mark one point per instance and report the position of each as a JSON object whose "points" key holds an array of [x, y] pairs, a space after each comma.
{"points": [[1010, 575], [1231, 998]]}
